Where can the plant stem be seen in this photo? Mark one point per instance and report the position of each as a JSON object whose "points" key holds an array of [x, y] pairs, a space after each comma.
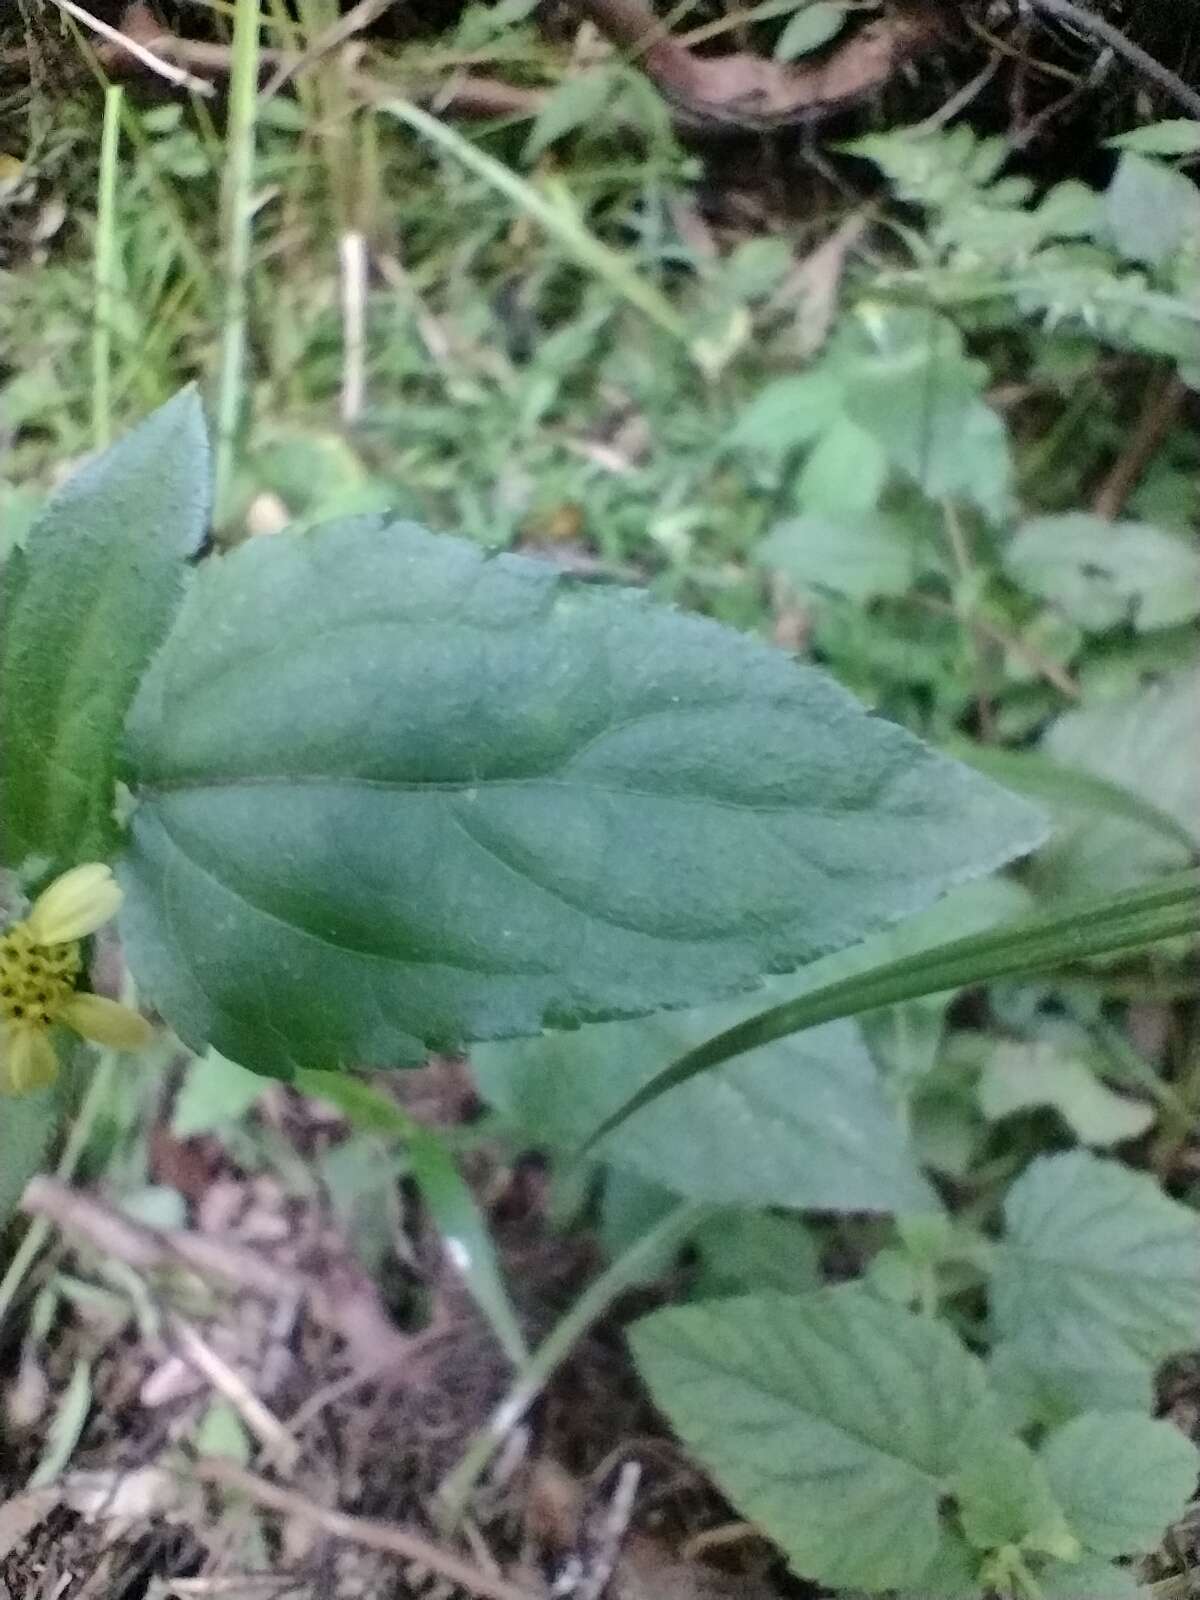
{"points": [[596, 1299], [99, 1091], [239, 211], [105, 269]]}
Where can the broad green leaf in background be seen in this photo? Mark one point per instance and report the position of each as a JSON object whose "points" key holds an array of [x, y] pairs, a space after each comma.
{"points": [[814, 24], [1177, 136], [744, 1250], [1093, 1578], [1019, 1075], [845, 472], [910, 385], [787, 413], [28, 1126], [19, 508], [85, 603], [1147, 744], [1151, 211], [803, 1123], [1102, 925], [1104, 574], [1121, 1477], [1097, 1265], [864, 556], [833, 1420], [1039, 1389], [511, 801]]}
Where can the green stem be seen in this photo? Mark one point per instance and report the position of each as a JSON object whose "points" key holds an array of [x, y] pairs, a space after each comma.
{"points": [[99, 1092], [105, 268], [627, 1270], [239, 215]]}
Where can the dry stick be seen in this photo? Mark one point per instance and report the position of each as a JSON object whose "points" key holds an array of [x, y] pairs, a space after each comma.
{"points": [[358, 1530], [1100, 28], [1163, 403], [175, 75]]}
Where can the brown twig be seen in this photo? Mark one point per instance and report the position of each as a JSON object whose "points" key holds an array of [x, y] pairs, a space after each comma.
{"points": [[1099, 27], [1161, 406], [748, 91], [134, 47], [370, 1535]]}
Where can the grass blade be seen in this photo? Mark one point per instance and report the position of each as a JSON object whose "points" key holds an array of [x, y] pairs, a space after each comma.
{"points": [[1164, 909], [559, 219], [105, 269]]}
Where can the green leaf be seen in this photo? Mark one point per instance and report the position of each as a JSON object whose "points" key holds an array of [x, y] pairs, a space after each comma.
{"points": [[1039, 1389], [751, 1250], [215, 1093], [1151, 212], [1146, 744], [910, 385], [1097, 1265], [1093, 927], [1104, 574], [509, 801], [1121, 1478], [844, 473], [1018, 1076], [787, 413], [812, 26], [1177, 136], [802, 1123], [1090, 1579], [863, 556], [1005, 1498], [578, 99], [85, 604], [832, 1420]]}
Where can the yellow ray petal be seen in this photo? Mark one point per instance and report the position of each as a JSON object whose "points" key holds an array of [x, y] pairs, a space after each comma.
{"points": [[105, 1022], [27, 1061], [74, 905]]}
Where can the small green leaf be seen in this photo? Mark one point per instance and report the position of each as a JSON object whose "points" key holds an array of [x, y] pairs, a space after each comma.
{"points": [[1097, 1265], [1147, 744], [832, 1419], [85, 604], [215, 1094], [787, 413], [1005, 1498], [1177, 136], [27, 1129], [1018, 1076], [510, 801], [1103, 574], [812, 26], [1121, 1478], [910, 385], [578, 99], [803, 1123], [845, 472], [864, 556], [1151, 211]]}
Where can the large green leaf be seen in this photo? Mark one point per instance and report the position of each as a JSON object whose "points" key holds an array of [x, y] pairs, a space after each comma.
{"points": [[392, 793], [803, 1122], [1097, 1266], [86, 602], [835, 1421], [1121, 1478]]}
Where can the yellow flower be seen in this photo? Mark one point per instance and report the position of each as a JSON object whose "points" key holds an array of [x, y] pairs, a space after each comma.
{"points": [[40, 964]]}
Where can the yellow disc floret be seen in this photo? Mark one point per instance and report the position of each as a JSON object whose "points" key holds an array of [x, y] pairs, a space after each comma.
{"points": [[40, 964]]}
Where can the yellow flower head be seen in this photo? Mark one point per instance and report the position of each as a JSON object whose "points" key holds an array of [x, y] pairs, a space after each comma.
{"points": [[40, 963]]}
